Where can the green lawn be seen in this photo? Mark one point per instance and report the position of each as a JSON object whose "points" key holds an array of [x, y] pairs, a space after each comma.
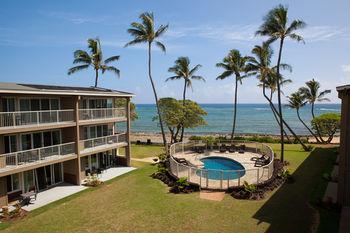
{"points": [[135, 202], [143, 151]]}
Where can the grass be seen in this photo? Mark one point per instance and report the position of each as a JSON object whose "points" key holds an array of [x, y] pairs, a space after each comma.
{"points": [[144, 151], [135, 202]]}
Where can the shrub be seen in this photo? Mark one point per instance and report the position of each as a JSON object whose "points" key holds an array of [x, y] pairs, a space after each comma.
{"points": [[181, 185], [250, 188], [327, 125], [93, 180]]}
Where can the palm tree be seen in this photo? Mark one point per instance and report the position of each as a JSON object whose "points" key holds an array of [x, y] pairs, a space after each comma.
{"points": [[313, 94], [182, 70], [145, 32], [94, 59], [296, 101], [234, 64], [260, 65], [276, 27]]}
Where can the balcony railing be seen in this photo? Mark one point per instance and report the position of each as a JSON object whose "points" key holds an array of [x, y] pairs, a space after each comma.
{"points": [[34, 155], [100, 141], [24, 118], [101, 113]]}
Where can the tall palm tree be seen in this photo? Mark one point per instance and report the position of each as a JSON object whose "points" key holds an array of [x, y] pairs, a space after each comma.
{"points": [[260, 65], [313, 94], [276, 27], [146, 32], [234, 64], [94, 59], [296, 101], [182, 70]]}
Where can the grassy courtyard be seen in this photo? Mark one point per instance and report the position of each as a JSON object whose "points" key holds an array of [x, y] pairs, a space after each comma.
{"points": [[135, 202]]}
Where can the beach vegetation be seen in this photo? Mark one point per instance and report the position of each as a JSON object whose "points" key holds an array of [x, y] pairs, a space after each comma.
{"points": [[182, 70], [312, 94], [327, 125], [260, 65], [276, 27], [121, 103], [146, 32], [296, 101], [93, 59], [176, 115], [234, 64]]}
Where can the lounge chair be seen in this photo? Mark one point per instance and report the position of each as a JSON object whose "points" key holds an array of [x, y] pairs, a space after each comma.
{"points": [[200, 149], [241, 149], [262, 161], [223, 148], [232, 149]]}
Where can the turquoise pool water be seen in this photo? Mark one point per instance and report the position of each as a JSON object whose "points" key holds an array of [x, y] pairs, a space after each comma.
{"points": [[231, 168]]}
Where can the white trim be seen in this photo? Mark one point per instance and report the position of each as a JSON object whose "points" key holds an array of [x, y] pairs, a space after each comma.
{"points": [[72, 92]]}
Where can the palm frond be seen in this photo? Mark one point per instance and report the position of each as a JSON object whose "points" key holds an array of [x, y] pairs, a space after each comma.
{"points": [[161, 30], [197, 77], [161, 46], [194, 69], [77, 68], [224, 75], [173, 78], [111, 59], [111, 69]]}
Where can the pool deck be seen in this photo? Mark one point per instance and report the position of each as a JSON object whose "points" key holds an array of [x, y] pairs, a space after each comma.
{"points": [[253, 174]]}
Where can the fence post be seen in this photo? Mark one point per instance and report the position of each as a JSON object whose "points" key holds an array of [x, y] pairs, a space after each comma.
{"points": [[207, 180], [39, 154], [189, 173], [37, 118], [177, 170], [16, 159], [257, 178], [228, 182], [222, 177], [59, 150], [200, 178], [13, 119]]}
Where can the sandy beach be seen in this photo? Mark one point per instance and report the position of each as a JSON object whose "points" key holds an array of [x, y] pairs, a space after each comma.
{"points": [[157, 137]]}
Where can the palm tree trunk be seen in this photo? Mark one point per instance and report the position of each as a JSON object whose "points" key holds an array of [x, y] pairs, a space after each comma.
{"points": [[155, 93], [183, 103], [312, 133], [285, 123], [234, 109], [279, 99], [275, 116], [96, 77], [313, 117]]}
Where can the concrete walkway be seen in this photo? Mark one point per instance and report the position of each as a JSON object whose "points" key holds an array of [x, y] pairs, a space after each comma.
{"points": [[146, 160], [65, 189]]}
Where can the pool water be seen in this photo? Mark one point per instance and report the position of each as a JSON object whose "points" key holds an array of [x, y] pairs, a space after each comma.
{"points": [[215, 165]]}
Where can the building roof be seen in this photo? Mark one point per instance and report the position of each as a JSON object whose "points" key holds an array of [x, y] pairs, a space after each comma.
{"points": [[343, 88], [19, 88]]}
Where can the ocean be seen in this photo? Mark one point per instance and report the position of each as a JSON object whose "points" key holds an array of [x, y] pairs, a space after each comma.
{"points": [[251, 118]]}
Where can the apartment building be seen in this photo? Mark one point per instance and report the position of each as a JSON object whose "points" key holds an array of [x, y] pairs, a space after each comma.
{"points": [[54, 134]]}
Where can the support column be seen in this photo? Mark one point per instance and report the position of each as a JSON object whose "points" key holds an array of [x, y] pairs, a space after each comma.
{"points": [[77, 139], [128, 125]]}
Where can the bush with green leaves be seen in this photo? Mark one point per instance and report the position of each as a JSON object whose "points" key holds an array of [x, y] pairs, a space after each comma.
{"points": [[181, 184], [328, 125], [250, 188]]}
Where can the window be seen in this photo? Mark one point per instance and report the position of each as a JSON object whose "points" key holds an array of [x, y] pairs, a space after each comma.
{"points": [[37, 140], [8, 105], [54, 104], [34, 104], [26, 141], [10, 143], [45, 104], [24, 104], [55, 137], [28, 178], [13, 183]]}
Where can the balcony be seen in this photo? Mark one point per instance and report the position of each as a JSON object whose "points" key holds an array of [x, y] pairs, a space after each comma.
{"points": [[38, 156], [11, 122], [102, 115], [100, 144]]}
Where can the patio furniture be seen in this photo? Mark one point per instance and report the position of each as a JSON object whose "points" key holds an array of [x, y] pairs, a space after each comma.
{"points": [[262, 161], [27, 197], [232, 149], [241, 149], [223, 148], [148, 142]]}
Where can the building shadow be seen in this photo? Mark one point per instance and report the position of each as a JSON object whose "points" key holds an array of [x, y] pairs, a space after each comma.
{"points": [[289, 208]]}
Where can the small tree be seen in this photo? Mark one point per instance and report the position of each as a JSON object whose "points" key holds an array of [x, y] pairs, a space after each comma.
{"points": [[176, 115], [121, 102], [328, 124]]}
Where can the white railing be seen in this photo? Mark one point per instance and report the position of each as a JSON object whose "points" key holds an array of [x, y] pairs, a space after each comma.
{"points": [[221, 179], [38, 154], [101, 113], [100, 141], [22, 118]]}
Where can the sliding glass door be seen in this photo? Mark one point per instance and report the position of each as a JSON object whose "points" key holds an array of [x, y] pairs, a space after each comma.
{"points": [[48, 176]]}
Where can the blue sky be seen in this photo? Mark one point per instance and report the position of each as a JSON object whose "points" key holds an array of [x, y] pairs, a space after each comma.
{"points": [[37, 40]]}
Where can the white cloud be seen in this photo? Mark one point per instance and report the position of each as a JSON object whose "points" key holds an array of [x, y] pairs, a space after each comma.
{"points": [[346, 68], [76, 18], [246, 33]]}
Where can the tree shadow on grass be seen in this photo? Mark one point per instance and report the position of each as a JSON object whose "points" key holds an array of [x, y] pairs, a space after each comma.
{"points": [[289, 209]]}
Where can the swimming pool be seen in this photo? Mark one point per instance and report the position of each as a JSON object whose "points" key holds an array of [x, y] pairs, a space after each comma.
{"points": [[217, 168]]}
